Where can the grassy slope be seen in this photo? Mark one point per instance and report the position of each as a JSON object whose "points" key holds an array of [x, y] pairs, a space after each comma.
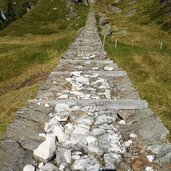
{"points": [[138, 53], [3, 4], [29, 49]]}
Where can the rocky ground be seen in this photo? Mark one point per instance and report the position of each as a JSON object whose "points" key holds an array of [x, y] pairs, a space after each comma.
{"points": [[87, 116]]}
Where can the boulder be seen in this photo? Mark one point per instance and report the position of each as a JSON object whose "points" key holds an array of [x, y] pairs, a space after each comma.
{"points": [[45, 152]]}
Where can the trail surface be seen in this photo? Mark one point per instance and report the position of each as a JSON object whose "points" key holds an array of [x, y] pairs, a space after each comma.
{"points": [[89, 116]]}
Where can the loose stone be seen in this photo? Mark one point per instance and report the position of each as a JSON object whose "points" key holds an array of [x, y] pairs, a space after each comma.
{"points": [[108, 68], [133, 135], [63, 156], [62, 111], [122, 122], [103, 119], [128, 143], [46, 105], [46, 150], [88, 163], [111, 143], [58, 132], [48, 167], [111, 160], [149, 168], [150, 158], [29, 167]]}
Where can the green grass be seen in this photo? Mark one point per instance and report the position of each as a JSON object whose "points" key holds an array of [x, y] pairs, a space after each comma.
{"points": [[3, 4], [148, 67], [29, 49]]}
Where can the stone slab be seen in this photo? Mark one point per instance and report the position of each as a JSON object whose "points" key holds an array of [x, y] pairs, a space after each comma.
{"points": [[110, 104]]}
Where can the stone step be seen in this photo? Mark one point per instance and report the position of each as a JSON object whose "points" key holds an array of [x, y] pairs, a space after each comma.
{"points": [[88, 85], [95, 118], [87, 65], [87, 61], [91, 73], [108, 104]]}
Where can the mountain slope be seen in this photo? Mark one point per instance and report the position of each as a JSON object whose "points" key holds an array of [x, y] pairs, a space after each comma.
{"points": [[30, 48], [143, 49]]}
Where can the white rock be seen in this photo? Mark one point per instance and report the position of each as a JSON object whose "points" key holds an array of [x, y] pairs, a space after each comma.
{"points": [[42, 135], [82, 79], [78, 94], [77, 153], [81, 130], [88, 163], [80, 67], [128, 143], [64, 96], [68, 79], [62, 111], [149, 168], [75, 108], [63, 156], [48, 167], [29, 167], [54, 82], [97, 131], [122, 122], [133, 135], [49, 126], [40, 165], [95, 150], [62, 167], [58, 132], [75, 157], [94, 75], [69, 128], [92, 56], [61, 107], [86, 121], [108, 68], [46, 105], [95, 68], [76, 73], [111, 159], [90, 140], [38, 103], [104, 119], [46, 150], [150, 158]]}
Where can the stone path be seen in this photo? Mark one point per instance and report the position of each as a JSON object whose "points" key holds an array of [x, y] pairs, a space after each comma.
{"points": [[87, 116]]}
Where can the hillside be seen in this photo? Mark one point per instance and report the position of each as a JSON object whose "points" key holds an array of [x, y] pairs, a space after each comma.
{"points": [[30, 48], [142, 31], [11, 10], [3, 5]]}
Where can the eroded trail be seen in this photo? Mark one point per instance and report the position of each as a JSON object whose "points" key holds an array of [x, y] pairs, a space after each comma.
{"points": [[90, 117]]}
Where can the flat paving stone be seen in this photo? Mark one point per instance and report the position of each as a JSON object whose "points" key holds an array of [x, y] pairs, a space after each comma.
{"points": [[109, 104], [13, 156]]}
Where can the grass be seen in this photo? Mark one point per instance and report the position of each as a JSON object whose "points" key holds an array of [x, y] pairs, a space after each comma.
{"points": [[3, 4], [138, 52], [30, 48]]}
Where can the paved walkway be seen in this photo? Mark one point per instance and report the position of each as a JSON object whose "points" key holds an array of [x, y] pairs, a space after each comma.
{"points": [[87, 116]]}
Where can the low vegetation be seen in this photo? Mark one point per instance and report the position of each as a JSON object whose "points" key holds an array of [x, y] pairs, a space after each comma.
{"points": [[140, 53], [29, 49]]}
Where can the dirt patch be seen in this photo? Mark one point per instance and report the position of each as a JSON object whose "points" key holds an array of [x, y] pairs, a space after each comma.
{"points": [[36, 78]]}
